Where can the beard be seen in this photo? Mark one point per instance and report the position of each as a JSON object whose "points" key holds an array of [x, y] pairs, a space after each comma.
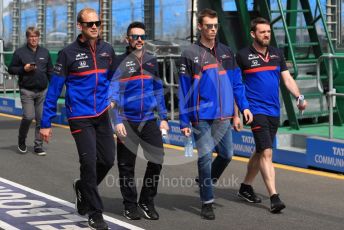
{"points": [[263, 43], [135, 48]]}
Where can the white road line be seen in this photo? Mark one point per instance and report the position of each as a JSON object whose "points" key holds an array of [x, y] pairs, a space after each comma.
{"points": [[63, 202], [6, 226]]}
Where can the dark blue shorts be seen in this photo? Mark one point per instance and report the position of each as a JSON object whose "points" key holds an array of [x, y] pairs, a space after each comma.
{"points": [[264, 129]]}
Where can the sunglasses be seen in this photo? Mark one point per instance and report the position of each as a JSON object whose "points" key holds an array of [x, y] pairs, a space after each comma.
{"points": [[210, 26], [90, 24], [137, 36]]}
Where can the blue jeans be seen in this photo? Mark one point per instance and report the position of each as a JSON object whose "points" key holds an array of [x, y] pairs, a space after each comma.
{"points": [[212, 135]]}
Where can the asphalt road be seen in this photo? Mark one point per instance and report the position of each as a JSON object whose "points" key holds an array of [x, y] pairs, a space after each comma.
{"points": [[313, 201]]}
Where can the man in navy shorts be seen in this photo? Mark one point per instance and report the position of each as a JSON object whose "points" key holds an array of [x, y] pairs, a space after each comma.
{"points": [[263, 68]]}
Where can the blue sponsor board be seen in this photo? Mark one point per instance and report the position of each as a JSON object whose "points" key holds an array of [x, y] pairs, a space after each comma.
{"points": [[25, 208], [325, 154], [7, 106], [243, 143], [175, 137], [287, 157]]}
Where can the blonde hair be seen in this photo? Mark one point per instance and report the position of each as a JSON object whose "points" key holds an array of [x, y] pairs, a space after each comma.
{"points": [[32, 30]]}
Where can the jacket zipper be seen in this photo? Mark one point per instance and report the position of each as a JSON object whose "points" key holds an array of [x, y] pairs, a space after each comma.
{"points": [[96, 68], [142, 83]]}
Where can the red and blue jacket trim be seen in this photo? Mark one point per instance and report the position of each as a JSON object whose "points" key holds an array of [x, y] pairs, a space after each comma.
{"points": [[87, 74], [209, 82], [262, 73], [137, 89]]}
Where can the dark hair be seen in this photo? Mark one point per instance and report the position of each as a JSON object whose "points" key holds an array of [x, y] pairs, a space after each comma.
{"points": [[206, 13], [81, 12], [257, 21], [32, 30], [135, 25]]}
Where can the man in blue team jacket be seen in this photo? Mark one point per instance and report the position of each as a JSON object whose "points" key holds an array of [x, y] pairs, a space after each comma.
{"points": [[136, 93], [86, 68], [209, 82]]}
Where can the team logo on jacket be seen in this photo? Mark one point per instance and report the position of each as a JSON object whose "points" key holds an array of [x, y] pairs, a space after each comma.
{"points": [[182, 69], [255, 63], [252, 56], [273, 56], [196, 60], [225, 56], [82, 64], [129, 63], [104, 54], [81, 56]]}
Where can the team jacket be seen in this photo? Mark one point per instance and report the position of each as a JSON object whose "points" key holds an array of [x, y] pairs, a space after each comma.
{"points": [[87, 75], [137, 89], [262, 78], [208, 79], [36, 80]]}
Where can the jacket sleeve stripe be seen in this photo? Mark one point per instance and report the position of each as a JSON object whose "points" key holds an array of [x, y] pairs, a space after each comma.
{"points": [[137, 77], [260, 69], [210, 66], [89, 72]]}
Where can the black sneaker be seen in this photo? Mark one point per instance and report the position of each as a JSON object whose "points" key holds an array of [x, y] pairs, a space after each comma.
{"points": [[149, 211], [22, 147], [247, 193], [131, 213], [276, 204], [80, 204], [208, 212], [40, 152], [97, 222]]}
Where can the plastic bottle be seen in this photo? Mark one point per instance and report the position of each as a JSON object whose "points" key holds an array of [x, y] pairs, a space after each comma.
{"points": [[164, 136], [188, 146]]}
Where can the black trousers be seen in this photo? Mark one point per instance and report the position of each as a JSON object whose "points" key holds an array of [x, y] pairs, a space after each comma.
{"points": [[148, 135], [96, 147]]}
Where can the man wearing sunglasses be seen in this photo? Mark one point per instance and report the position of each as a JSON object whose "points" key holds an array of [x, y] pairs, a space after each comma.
{"points": [[209, 81], [136, 93], [86, 67]]}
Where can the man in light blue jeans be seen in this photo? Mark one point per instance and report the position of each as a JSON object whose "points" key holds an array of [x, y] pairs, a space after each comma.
{"points": [[212, 135], [209, 82]]}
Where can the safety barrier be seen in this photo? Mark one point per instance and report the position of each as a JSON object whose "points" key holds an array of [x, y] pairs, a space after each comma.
{"points": [[331, 94]]}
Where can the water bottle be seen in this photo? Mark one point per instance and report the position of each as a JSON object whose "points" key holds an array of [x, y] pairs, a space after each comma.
{"points": [[188, 146], [164, 135]]}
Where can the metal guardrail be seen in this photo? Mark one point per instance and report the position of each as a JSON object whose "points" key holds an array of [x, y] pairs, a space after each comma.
{"points": [[4, 75], [171, 83], [331, 94]]}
